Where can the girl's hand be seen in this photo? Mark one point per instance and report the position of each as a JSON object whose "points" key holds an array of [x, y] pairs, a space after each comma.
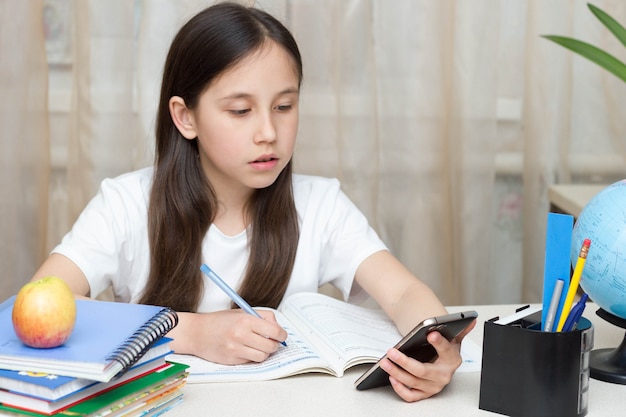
{"points": [[228, 337], [413, 380]]}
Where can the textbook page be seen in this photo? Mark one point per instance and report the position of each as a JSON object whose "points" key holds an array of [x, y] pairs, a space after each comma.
{"points": [[324, 335], [344, 334], [298, 356]]}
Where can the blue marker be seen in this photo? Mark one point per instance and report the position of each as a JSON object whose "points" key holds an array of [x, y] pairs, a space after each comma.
{"points": [[575, 314], [231, 293]]}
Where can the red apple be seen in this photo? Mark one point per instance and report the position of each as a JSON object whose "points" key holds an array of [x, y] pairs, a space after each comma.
{"points": [[44, 313]]}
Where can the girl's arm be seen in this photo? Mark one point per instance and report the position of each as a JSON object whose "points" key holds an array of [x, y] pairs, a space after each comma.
{"points": [[408, 301], [62, 267], [405, 299]]}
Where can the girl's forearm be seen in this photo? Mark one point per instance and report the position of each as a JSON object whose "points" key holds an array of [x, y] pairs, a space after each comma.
{"points": [[183, 334]]}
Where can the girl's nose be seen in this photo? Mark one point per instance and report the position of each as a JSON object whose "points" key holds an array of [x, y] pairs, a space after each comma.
{"points": [[266, 130]]}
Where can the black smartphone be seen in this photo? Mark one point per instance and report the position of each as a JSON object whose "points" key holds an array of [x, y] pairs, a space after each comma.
{"points": [[415, 345]]}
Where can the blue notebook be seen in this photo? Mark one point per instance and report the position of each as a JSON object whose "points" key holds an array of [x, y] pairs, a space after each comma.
{"points": [[107, 339]]}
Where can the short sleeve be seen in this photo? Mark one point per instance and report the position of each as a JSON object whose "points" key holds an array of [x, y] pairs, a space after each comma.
{"points": [[108, 241], [335, 236], [349, 240]]}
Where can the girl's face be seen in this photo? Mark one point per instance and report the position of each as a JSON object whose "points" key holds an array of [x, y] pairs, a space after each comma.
{"points": [[246, 122]]}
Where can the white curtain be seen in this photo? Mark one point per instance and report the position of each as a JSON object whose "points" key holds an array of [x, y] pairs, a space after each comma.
{"points": [[24, 143], [445, 121]]}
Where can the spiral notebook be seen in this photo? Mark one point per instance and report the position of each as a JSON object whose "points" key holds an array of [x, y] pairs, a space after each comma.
{"points": [[108, 338]]}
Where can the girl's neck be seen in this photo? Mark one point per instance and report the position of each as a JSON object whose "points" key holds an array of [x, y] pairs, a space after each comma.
{"points": [[231, 216], [230, 221]]}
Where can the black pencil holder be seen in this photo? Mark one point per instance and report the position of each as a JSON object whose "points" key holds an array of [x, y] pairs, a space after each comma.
{"points": [[530, 373]]}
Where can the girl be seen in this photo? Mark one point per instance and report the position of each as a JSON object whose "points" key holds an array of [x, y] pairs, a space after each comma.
{"points": [[222, 192]]}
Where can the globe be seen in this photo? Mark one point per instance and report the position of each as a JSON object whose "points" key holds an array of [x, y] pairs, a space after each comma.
{"points": [[603, 220]]}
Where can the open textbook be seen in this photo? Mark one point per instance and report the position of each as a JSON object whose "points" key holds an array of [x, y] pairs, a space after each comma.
{"points": [[324, 335]]}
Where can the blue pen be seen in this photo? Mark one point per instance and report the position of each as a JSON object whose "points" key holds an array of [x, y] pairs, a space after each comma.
{"points": [[575, 314], [230, 292]]}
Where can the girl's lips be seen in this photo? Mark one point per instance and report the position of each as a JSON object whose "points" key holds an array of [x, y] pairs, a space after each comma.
{"points": [[264, 163]]}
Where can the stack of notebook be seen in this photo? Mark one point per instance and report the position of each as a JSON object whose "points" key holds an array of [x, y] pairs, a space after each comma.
{"points": [[112, 365]]}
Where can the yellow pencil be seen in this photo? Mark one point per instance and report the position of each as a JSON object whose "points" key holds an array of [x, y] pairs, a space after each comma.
{"points": [[573, 286]]}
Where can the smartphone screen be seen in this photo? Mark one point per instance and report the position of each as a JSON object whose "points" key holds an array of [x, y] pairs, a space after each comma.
{"points": [[415, 345]]}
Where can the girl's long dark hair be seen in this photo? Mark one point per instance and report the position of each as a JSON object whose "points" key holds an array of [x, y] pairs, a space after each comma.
{"points": [[182, 203]]}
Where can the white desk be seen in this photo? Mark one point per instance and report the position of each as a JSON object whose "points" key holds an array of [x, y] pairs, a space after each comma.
{"points": [[572, 198], [324, 395]]}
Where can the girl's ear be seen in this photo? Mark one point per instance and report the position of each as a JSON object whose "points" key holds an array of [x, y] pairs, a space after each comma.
{"points": [[182, 118]]}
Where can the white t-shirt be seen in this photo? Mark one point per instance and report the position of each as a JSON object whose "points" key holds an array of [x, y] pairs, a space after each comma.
{"points": [[109, 241]]}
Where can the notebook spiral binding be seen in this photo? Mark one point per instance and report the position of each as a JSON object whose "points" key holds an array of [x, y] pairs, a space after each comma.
{"points": [[144, 338]]}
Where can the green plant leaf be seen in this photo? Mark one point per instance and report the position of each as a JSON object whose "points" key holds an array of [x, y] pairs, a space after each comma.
{"points": [[610, 23], [592, 53]]}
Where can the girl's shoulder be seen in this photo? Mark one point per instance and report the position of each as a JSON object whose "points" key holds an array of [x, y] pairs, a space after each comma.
{"points": [[131, 188], [311, 192], [139, 180], [308, 184]]}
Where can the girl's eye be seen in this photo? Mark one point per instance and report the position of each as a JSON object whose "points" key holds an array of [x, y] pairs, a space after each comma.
{"points": [[284, 107], [239, 112]]}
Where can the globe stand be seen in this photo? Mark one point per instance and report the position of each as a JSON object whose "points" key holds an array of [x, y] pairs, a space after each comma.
{"points": [[610, 364]]}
